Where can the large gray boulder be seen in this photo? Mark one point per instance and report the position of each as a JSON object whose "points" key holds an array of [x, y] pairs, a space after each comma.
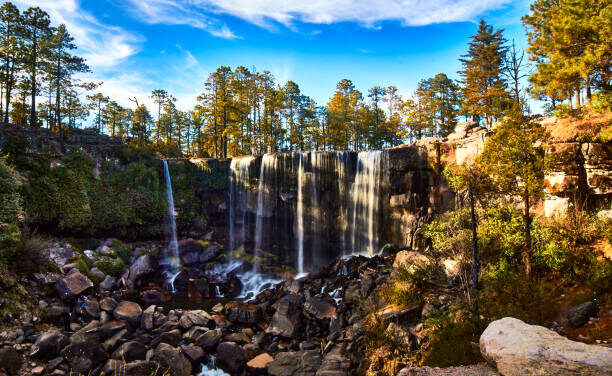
{"points": [[170, 358], [72, 285], [231, 357], [287, 319], [48, 345], [144, 265], [517, 348], [128, 311], [292, 363]]}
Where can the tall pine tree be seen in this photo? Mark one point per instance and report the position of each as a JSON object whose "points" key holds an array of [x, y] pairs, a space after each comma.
{"points": [[484, 94]]}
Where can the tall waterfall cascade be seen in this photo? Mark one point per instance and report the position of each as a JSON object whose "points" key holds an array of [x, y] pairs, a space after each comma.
{"points": [[172, 263], [304, 209], [365, 199]]}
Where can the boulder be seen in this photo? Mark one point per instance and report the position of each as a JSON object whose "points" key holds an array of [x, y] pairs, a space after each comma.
{"points": [[170, 357], [210, 339], [231, 357], [91, 308], [581, 314], [128, 311], [84, 353], [72, 285], [319, 308], [108, 304], [410, 259], [48, 345], [107, 284], [287, 318], [295, 363], [146, 320], [130, 351], [334, 364], [258, 364], [144, 265], [243, 313], [517, 348], [195, 354], [10, 360], [141, 368], [195, 318]]}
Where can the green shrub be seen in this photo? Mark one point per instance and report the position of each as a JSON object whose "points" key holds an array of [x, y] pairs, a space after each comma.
{"points": [[11, 213], [449, 339], [410, 282]]}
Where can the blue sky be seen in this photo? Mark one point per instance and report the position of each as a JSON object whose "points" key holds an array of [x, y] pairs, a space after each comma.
{"points": [[135, 46]]}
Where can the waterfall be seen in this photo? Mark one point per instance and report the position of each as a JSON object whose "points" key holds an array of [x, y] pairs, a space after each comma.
{"points": [[267, 166], [366, 203], [172, 261], [299, 215], [238, 200]]}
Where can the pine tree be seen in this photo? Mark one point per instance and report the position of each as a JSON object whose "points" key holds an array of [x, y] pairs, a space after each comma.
{"points": [[62, 65], [11, 50], [483, 89], [571, 43], [96, 103], [37, 34]]}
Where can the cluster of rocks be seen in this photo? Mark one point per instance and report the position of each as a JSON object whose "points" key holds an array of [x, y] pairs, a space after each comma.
{"points": [[312, 325]]}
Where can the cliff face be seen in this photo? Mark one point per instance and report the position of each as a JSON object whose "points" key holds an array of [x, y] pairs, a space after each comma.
{"points": [[323, 204]]}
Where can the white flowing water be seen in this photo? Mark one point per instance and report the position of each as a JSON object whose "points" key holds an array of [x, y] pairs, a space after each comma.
{"points": [[299, 215], [267, 165], [366, 203], [172, 262], [239, 181]]}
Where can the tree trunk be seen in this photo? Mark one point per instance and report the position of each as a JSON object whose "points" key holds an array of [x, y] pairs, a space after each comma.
{"points": [[474, 239], [588, 88], [33, 120], [577, 98], [527, 219]]}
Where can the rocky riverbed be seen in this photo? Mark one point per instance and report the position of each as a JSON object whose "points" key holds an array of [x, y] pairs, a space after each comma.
{"points": [[314, 325]]}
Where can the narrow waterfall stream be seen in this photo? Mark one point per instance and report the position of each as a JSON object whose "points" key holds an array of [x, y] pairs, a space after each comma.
{"points": [[366, 203], [299, 215], [266, 169], [173, 262]]}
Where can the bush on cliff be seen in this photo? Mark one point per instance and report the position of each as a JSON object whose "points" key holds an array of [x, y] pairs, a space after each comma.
{"points": [[11, 212]]}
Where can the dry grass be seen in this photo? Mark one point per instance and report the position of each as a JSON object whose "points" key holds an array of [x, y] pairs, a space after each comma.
{"points": [[572, 128]]}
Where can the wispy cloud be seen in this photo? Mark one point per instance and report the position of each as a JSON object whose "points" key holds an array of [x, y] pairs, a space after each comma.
{"points": [[102, 45], [199, 13], [172, 12]]}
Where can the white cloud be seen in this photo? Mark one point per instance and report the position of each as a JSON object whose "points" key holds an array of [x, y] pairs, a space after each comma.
{"points": [[367, 12], [101, 45], [172, 12]]}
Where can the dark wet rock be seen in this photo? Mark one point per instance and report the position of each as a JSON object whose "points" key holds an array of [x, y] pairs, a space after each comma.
{"points": [[108, 304], [144, 265], [291, 363], [320, 308], [72, 285], [84, 353], [48, 345], [112, 342], [141, 368], [155, 296], [53, 364], [169, 357], [108, 284], [195, 354], [108, 329], [194, 333], [243, 313], [57, 313], [231, 357], [10, 360], [210, 339], [222, 322], [195, 318], [238, 337], [173, 337], [199, 288], [91, 308], [128, 311], [146, 320], [581, 314], [130, 351], [231, 286], [287, 318], [334, 364]]}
